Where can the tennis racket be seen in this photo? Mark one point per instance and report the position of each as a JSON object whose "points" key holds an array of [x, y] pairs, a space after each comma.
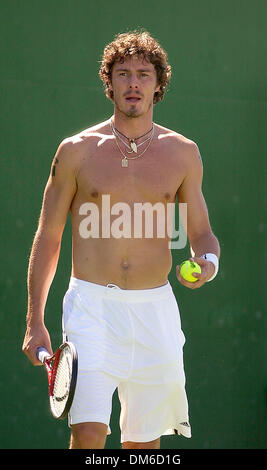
{"points": [[61, 370]]}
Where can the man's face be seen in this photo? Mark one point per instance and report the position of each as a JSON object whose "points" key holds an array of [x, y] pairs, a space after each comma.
{"points": [[134, 83]]}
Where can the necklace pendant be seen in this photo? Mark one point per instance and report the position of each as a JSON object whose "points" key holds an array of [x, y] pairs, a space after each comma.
{"points": [[124, 162], [133, 146]]}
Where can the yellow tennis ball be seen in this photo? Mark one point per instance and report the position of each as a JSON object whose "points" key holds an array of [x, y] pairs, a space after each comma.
{"points": [[187, 268]]}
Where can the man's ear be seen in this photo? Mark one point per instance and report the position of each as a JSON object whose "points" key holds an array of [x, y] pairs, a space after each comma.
{"points": [[109, 92]]}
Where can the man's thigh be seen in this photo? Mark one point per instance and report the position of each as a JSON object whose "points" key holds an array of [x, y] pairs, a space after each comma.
{"points": [[93, 397]]}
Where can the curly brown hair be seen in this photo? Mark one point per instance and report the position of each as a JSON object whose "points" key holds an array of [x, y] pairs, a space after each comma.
{"points": [[135, 43]]}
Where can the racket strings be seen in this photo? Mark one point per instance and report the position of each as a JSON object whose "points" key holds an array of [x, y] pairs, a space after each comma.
{"points": [[62, 381]]}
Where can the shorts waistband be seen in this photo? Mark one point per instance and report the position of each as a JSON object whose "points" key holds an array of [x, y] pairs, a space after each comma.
{"points": [[114, 291]]}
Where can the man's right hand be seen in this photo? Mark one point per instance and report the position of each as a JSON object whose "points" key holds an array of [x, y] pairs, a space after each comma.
{"points": [[36, 336]]}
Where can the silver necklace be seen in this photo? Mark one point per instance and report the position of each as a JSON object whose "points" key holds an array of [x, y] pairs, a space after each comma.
{"points": [[133, 146], [124, 161]]}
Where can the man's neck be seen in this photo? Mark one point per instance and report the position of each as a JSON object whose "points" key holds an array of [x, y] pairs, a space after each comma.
{"points": [[132, 127]]}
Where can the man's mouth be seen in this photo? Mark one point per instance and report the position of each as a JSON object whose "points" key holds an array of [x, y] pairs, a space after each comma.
{"points": [[133, 99]]}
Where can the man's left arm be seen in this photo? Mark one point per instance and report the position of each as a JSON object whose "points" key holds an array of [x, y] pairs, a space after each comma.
{"points": [[201, 238]]}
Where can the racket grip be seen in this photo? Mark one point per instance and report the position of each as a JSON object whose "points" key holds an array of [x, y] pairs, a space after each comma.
{"points": [[42, 354]]}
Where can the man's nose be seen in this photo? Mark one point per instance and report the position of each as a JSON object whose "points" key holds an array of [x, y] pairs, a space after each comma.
{"points": [[133, 82]]}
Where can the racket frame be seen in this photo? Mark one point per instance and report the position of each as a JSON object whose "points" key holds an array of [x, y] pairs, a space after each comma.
{"points": [[50, 363]]}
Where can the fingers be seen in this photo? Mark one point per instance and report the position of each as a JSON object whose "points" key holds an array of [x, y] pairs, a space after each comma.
{"points": [[30, 352], [34, 339], [207, 270], [184, 282]]}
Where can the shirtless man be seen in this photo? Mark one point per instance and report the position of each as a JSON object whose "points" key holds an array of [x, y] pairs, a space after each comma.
{"points": [[120, 310]]}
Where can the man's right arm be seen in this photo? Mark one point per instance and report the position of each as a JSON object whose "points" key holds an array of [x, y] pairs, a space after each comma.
{"points": [[58, 195]]}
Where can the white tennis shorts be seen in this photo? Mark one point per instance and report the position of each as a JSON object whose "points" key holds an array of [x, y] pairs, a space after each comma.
{"points": [[130, 340]]}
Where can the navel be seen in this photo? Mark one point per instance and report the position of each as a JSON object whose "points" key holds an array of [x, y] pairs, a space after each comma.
{"points": [[125, 264]]}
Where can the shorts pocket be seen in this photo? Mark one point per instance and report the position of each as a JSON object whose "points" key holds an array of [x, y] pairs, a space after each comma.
{"points": [[68, 303]]}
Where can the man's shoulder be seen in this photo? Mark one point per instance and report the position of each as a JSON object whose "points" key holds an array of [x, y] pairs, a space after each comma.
{"points": [[181, 146], [87, 135], [71, 150], [174, 137]]}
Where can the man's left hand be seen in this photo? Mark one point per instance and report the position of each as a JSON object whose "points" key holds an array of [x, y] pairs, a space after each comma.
{"points": [[207, 270]]}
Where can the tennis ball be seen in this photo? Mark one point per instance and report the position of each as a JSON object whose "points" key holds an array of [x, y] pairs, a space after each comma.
{"points": [[187, 268]]}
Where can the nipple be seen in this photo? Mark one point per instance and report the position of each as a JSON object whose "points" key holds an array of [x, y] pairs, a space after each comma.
{"points": [[94, 193]]}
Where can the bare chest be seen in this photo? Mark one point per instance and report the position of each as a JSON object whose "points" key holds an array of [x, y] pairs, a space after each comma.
{"points": [[154, 177]]}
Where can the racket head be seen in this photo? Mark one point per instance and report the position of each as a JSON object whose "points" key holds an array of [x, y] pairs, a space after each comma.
{"points": [[62, 370]]}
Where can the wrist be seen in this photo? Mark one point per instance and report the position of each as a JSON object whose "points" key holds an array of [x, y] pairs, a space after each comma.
{"points": [[215, 261], [35, 319]]}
